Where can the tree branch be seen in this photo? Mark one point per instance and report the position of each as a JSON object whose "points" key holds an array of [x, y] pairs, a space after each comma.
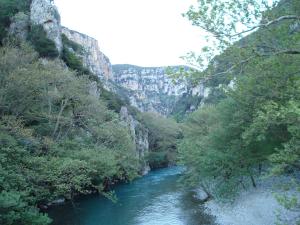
{"points": [[279, 52], [265, 25]]}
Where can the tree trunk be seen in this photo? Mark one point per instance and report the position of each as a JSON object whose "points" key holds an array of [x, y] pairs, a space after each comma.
{"points": [[62, 107], [253, 181]]}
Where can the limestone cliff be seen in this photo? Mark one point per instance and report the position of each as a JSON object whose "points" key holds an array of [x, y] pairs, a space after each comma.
{"points": [[91, 55], [140, 137], [19, 26], [152, 89], [45, 13]]}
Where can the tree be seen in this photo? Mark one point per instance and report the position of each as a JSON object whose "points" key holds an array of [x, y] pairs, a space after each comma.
{"points": [[8, 8], [42, 44], [56, 139], [226, 22], [163, 136], [225, 145]]}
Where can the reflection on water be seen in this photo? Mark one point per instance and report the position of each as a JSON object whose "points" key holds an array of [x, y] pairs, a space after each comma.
{"points": [[154, 199]]}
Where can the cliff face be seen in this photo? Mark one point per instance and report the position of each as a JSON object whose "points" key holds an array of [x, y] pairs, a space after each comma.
{"points": [[152, 89], [140, 138], [45, 13], [91, 56]]}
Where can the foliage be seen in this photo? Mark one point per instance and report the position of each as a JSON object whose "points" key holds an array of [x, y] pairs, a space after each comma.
{"points": [[42, 44], [163, 136], [114, 102], [226, 144], [74, 62], [184, 104], [243, 31], [71, 44], [70, 53], [8, 8], [56, 140]]}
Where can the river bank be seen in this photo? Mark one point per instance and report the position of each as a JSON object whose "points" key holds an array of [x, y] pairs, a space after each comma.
{"points": [[256, 206]]}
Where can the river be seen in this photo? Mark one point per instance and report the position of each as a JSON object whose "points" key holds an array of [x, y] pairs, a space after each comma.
{"points": [[155, 199]]}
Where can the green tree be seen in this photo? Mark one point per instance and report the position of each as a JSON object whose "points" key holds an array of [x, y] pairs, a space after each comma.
{"points": [[56, 139], [8, 8], [42, 44], [163, 136], [260, 23]]}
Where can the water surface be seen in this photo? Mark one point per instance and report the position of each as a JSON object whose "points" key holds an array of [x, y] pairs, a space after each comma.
{"points": [[155, 199]]}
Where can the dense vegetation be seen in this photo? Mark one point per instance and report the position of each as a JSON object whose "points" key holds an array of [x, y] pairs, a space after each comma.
{"points": [[8, 8], [254, 125], [164, 134], [42, 44], [229, 141], [56, 139], [69, 56]]}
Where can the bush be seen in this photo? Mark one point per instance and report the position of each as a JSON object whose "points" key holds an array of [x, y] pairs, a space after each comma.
{"points": [[158, 159], [163, 136], [70, 53], [9, 8], [42, 44], [113, 101], [74, 62], [71, 44], [56, 140]]}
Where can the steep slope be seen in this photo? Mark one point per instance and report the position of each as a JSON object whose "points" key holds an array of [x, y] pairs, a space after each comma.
{"points": [[91, 54], [45, 13]]}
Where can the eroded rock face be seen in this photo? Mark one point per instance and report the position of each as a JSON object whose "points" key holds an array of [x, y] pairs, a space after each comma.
{"points": [[140, 137], [94, 90], [19, 26], [152, 89], [45, 13], [91, 55]]}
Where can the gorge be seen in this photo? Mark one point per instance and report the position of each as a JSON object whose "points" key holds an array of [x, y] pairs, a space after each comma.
{"points": [[107, 141]]}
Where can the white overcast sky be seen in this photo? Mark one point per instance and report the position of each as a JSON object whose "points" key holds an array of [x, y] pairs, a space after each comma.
{"points": [[139, 32]]}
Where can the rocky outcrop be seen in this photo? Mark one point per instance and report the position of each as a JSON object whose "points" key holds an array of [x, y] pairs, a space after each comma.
{"points": [[140, 137], [19, 26], [152, 89], [91, 55], [45, 13], [94, 90]]}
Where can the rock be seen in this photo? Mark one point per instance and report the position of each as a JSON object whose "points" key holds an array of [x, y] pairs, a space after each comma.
{"points": [[152, 89], [94, 90], [201, 195], [58, 201], [45, 13], [258, 205], [295, 27], [91, 55], [19, 26], [146, 170], [140, 137]]}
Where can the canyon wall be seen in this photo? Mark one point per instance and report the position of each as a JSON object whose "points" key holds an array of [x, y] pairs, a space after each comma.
{"points": [[91, 56], [153, 89]]}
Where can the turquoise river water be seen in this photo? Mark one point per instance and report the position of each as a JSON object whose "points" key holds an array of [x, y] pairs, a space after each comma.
{"points": [[155, 199]]}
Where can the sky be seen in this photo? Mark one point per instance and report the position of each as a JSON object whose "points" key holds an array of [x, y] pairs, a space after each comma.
{"points": [[138, 32]]}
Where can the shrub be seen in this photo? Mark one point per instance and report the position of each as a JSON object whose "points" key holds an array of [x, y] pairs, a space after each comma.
{"points": [[41, 43], [9, 8]]}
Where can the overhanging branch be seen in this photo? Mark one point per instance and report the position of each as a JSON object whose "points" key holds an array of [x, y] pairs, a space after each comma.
{"points": [[265, 25]]}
